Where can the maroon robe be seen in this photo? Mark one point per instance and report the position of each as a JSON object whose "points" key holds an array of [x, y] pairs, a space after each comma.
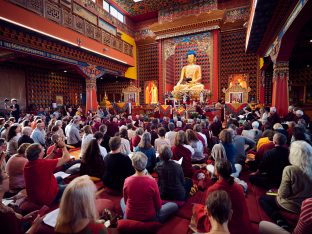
{"points": [[240, 222], [179, 152]]}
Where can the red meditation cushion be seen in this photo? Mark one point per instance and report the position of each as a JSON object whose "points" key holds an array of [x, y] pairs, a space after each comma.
{"points": [[28, 206], [102, 204], [133, 226], [179, 203]]}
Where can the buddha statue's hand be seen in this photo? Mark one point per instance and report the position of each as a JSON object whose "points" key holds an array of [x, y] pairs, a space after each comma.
{"points": [[189, 80]]}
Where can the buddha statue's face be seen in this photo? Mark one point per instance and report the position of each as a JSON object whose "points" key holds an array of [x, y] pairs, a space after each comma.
{"points": [[191, 58]]}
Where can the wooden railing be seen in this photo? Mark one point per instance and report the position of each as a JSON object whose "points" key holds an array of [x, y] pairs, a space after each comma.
{"points": [[87, 23]]}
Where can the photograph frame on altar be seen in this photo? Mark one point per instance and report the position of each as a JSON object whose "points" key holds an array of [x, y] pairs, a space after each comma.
{"points": [[59, 100], [236, 97], [130, 97], [151, 95], [131, 94]]}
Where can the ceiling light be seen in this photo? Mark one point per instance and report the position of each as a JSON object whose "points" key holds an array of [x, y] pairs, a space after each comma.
{"points": [[311, 40], [137, 0], [65, 71]]}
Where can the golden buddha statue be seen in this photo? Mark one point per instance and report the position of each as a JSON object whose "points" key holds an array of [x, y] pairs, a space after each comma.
{"points": [[191, 75], [105, 102]]}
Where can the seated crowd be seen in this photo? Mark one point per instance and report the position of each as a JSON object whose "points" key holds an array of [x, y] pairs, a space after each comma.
{"points": [[155, 165]]}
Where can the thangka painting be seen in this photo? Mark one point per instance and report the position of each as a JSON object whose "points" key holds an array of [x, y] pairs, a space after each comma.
{"points": [[151, 92], [174, 56]]}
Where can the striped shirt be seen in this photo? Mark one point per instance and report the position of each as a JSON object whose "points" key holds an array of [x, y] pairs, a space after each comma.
{"points": [[304, 224]]}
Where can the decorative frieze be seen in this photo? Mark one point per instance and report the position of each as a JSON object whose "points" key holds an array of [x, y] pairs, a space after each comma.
{"points": [[89, 29], [67, 19], [233, 15], [82, 20], [35, 6], [79, 24], [194, 8], [281, 70], [53, 12], [35, 45], [97, 34]]}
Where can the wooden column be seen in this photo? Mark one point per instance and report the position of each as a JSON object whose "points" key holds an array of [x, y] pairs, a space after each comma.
{"points": [[280, 95], [91, 72], [161, 82], [91, 97]]}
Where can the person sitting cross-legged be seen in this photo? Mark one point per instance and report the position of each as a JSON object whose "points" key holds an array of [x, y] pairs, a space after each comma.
{"points": [[141, 199], [92, 162], [295, 186], [10, 221], [171, 182], [269, 173], [117, 166], [161, 140], [73, 135], [303, 226], [25, 138], [38, 134], [240, 222], [41, 185], [219, 209], [15, 169], [145, 146], [78, 211], [197, 145], [181, 149]]}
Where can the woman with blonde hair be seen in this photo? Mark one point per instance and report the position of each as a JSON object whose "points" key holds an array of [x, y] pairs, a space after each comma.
{"points": [[78, 213], [295, 186]]}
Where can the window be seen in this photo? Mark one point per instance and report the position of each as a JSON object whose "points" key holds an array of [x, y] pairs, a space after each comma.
{"points": [[113, 11], [120, 17], [106, 6]]}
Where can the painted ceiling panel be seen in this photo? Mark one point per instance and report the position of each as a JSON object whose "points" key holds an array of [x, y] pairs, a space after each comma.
{"points": [[149, 6]]}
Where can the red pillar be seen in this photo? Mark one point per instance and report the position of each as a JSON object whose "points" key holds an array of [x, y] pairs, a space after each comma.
{"points": [[215, 78], [91, 98], [280, 95], [161, 88]]}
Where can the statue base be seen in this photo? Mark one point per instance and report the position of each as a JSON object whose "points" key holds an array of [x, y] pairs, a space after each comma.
{"points": [[193, 95]]}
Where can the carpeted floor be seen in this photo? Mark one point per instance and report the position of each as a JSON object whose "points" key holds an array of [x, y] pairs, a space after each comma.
{"points": [[179, 223]]}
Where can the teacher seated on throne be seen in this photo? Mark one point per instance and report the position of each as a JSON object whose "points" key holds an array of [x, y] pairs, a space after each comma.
{"points": [[190, 75]]}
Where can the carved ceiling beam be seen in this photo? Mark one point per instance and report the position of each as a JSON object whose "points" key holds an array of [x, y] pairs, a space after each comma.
{"points": [[188, 25]]}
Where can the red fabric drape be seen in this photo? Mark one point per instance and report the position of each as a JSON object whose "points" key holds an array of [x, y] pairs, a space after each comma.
{"points": [[280, 95]]}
